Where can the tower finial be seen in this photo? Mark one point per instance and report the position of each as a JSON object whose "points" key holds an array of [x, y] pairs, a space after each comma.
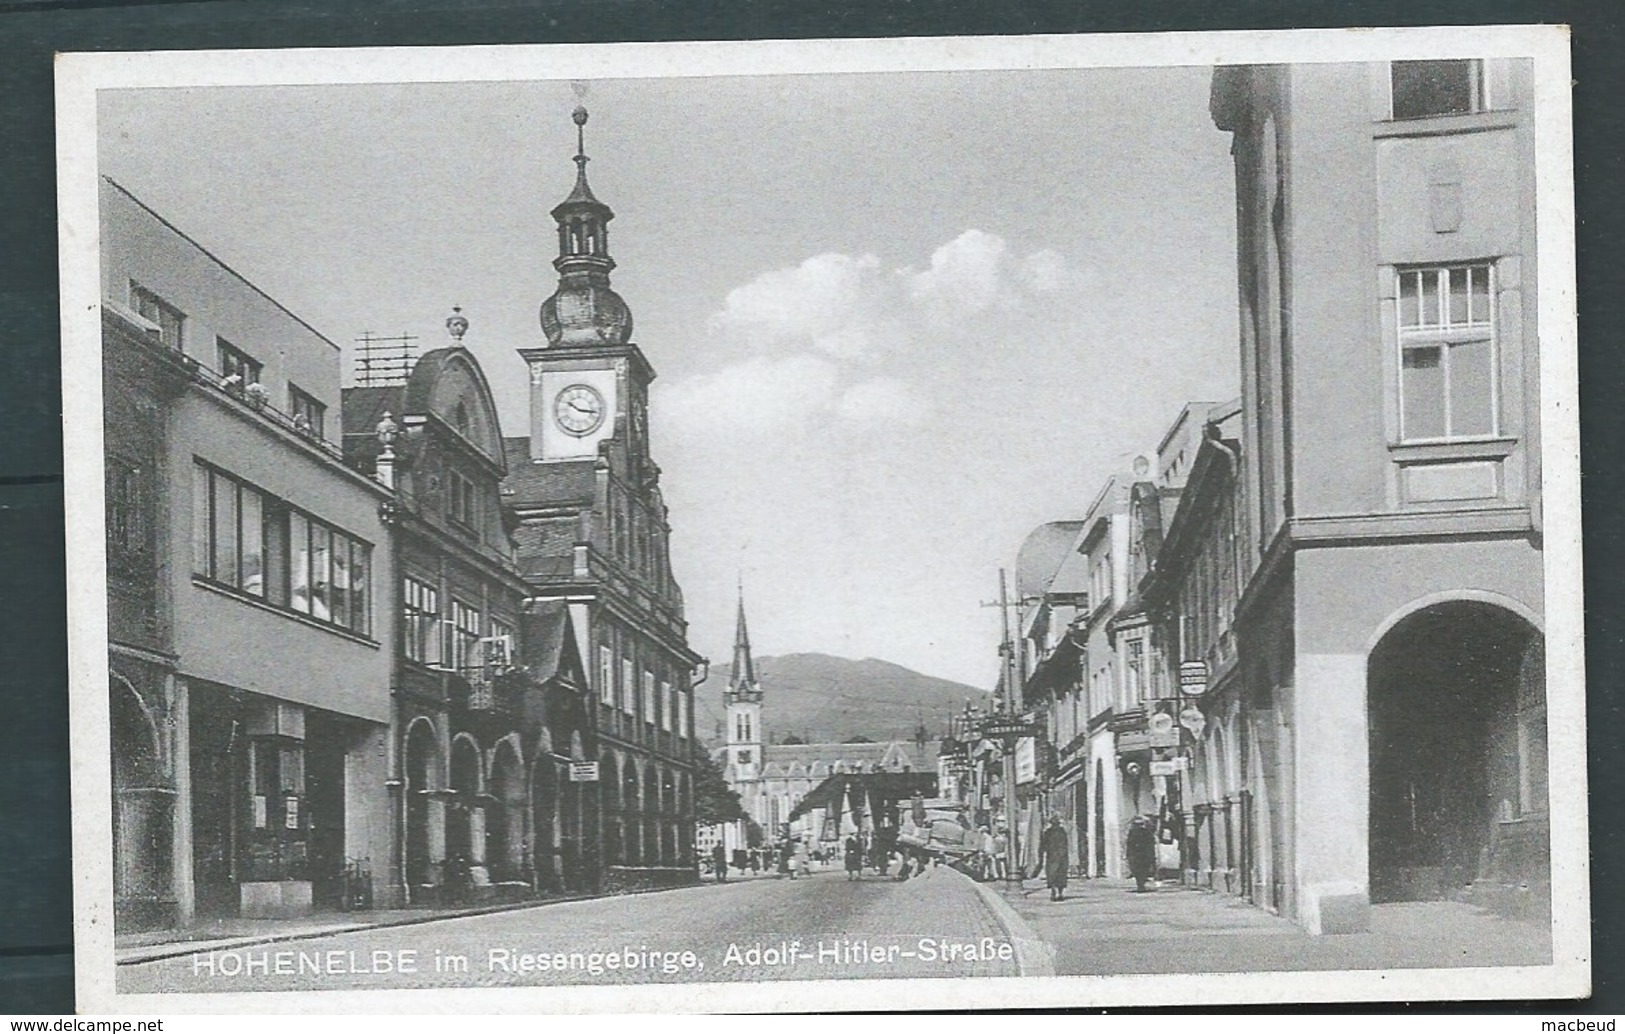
{"points": [[457, 324], [579, 117]]}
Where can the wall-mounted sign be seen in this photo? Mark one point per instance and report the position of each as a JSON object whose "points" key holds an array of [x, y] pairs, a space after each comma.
{"points": [[290, 812], [1026, 760], [1193, 719], [1193, 678], [1163, 732], [1173, 766], [583, 771]]}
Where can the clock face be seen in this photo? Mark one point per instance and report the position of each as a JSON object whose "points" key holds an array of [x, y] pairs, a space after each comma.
{"points": [[579, 409]]}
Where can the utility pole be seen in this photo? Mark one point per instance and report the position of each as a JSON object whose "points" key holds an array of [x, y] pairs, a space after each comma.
{"points": [[1008, 702]]}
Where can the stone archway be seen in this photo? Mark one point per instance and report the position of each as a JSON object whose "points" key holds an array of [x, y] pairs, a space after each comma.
{"points": [[506, 843], [423, 771], [465, 824], [609, 781], [1457, 739], [631, 813], [143, 813]]}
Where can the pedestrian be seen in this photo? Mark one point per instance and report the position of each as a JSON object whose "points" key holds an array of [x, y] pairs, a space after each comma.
{"points": [[755, 860], [719, 862], [803, 859], [854, 859], [1001, 864], [782, 853], [1141, 844], [1054, 856]]}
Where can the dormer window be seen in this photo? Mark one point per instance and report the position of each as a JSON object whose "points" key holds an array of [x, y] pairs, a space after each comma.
{"points": [[459, 419], [462, 502]]}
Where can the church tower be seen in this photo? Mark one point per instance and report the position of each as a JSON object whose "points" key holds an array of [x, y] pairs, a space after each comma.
{"points": [[744, 701]]}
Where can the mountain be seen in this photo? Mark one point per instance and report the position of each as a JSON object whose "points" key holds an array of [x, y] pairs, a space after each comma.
{"points": [[824, 699]]}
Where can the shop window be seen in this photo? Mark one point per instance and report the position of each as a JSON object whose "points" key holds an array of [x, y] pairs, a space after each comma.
{"points": [[1448, 382], [154, 308], [1422, 89], [277, 819]]}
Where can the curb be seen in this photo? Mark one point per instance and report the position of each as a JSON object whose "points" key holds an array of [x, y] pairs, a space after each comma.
{"points": [[1034, 957], [174, 949]]}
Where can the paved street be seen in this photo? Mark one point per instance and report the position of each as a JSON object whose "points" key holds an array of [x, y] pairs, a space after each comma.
{"points": [[818, 927], [1103, 927]]}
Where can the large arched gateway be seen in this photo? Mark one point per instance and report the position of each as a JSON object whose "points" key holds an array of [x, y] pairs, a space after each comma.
{"points": [[1458, 758]]}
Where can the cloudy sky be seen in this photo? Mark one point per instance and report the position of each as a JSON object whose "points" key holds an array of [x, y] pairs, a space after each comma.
{"points": [[898, 319]]}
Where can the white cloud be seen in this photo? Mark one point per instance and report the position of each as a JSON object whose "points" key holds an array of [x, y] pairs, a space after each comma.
{"points": [[964, 278], [757, 395], [884, 400], [828, 303], [1047, 270]]}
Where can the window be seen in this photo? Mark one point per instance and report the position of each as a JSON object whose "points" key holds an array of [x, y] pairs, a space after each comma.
{"points": [[126, 528], [681, 717], [460, 501], [309, 416], [1134, 671], [606, 675], [234, 362], [154, 308], [465, 635], [629, 699], [420, 621], [256, 544], [1425, 88], [668, 706], [649, 697], [1447, 379], [500, 651]]}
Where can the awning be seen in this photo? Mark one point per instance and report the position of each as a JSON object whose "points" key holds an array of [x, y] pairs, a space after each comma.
{"points": [[872, 788]]}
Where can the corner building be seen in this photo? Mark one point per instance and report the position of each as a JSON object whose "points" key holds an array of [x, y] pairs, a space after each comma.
{"points": [[1391, 714], [248, 671], [592, 535]]}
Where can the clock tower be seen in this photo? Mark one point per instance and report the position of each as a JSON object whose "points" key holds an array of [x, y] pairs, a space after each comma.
{"points": [[588, 382]]}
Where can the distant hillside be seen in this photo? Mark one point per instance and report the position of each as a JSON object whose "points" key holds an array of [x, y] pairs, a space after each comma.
{"points": [[824, 699]]}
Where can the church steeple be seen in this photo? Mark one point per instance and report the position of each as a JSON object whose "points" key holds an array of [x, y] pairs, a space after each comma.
{"points": [[584, 310], [742, 683]]}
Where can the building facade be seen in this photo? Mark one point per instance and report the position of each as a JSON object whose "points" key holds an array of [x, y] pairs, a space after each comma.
{"points": [[592, 533], [1392, 739], [248, 668]]}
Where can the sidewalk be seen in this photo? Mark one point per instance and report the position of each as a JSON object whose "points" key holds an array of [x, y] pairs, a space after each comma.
{"points": [[1104, 927]]}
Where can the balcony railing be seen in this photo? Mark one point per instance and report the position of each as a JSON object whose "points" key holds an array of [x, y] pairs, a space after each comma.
{"points": [[259, 402]]}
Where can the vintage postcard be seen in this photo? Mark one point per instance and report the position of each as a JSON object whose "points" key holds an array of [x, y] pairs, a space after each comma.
{"points": [[892, 524]]}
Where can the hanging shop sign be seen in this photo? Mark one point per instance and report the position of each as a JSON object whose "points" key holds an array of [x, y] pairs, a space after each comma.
{"points": [[583, 771], [1026, 760], [1006, 726], [1163, 731], [1193, 678], [1172, 766], [1193, 719]]}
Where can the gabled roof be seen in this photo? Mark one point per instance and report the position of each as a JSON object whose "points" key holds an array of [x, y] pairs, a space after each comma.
{"points": [[547, 646], [1041, 554]]}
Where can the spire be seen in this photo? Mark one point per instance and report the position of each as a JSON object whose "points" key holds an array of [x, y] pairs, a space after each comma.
{"points": [[584, 310], [743, 673]]}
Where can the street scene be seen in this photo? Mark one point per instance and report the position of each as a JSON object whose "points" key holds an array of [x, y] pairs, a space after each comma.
{"points": [[1058, 522]]}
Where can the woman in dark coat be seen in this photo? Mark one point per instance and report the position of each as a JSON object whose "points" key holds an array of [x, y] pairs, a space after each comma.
{"points": [[854, 858], [1142, 851], [1054, 855]]}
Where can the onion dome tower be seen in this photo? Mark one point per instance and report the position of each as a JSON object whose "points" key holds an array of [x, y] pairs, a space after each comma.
{"points": [[584, 310]]}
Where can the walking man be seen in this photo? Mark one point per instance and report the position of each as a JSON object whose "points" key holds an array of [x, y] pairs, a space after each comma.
{"points": [[719, 861], [1054, 856]]}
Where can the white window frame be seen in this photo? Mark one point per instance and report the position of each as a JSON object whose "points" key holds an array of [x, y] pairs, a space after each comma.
{"points": [[649, 704], [1443, 335], [629, 691], [606, 675]]}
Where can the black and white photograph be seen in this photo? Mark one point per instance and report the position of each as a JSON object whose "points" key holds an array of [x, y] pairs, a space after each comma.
{"points": [[891, 524]]}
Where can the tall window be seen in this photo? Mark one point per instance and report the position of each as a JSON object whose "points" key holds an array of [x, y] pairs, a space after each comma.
{"points": [[668, 705], [420, 621], [461, 501], [1448, 382], [126, 528], [154, 308], [649, 706], [606, 675], [1422, 89], [680, 700], [309, 416], [465, 635], [629, 687], [254, 543], [1134, 671], [234, 362]]}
